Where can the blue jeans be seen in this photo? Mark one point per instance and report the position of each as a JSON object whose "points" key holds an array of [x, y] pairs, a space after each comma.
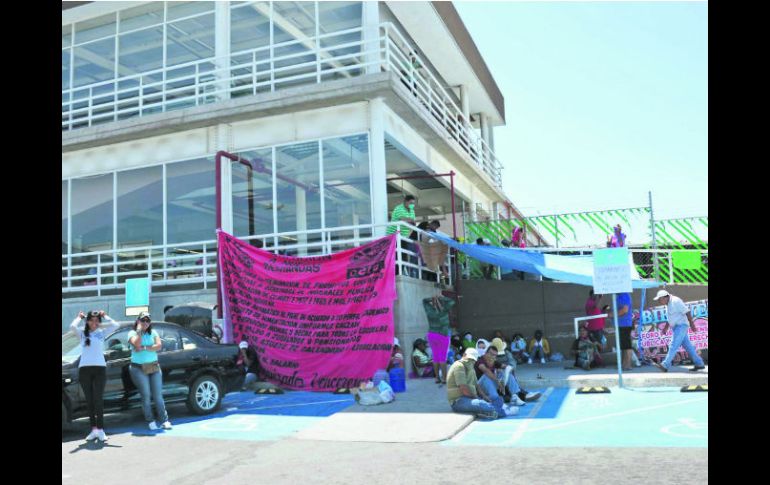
{"points": [[681, 339], [150, 384], [490, 386], [478, 407]]}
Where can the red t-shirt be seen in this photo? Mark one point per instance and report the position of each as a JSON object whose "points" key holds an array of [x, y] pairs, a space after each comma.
{"points": [[593, 309]]}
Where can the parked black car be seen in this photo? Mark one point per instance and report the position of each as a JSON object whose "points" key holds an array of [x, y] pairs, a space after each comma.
{"points": [[195, 370]]}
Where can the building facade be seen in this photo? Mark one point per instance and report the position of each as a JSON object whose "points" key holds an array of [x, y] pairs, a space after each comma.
{"points": [[340, 107]]}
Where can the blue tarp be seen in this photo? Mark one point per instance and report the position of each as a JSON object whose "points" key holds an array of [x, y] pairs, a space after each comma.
{"points": [[572, 269]]}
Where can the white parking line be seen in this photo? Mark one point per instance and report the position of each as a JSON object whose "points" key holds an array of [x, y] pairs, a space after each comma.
{"points": [[516, 436], [622, 413]]}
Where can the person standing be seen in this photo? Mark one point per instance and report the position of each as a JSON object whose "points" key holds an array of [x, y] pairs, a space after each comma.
{"points": [[145, 370], [680, 319], [463, 390], [404, 212], [618, 239], [595, 326], [437, 310], [92, 328]]}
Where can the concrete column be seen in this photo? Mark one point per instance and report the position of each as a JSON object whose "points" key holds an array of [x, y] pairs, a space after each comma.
{"points": [[371, 32], [484, 127], [221, 140], [300, 199], [491, 130], [222, 45], [378, 169]]}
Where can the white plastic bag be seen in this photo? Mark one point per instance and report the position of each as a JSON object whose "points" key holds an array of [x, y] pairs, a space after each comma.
{"points": [[386, 392], [369, 397]]}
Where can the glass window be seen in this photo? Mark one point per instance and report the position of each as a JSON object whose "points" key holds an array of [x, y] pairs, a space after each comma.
{"points": [[293, 18], [191, 203], [92, 214], [347, 198], [336, 16], [140, 51], [65, 69], [116, 346], [94, 62], [93, 29], [145, 15], [253, 195], [169, 339], [297, 187], [64, 219], [190, 40], [66, 35], [178, 10], [250, 27], [140, 207]]}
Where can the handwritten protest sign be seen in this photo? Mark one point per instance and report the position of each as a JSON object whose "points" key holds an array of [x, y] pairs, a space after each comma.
{"points": [[318, 323]]}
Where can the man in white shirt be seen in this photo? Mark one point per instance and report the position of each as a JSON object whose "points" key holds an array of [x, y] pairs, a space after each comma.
{"points": [[679, 317]]}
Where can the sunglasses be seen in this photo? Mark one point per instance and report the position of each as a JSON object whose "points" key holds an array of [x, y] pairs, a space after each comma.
{"points": [[145, 320]]}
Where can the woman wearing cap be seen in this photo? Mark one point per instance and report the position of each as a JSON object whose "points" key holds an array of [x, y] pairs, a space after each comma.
{"points": [[92, 370], [248, 361], [423, 366], [145, 370]]}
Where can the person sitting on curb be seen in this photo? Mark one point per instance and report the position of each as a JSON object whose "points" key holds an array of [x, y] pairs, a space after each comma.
{"points": [[396, 357], [496, 378], [481, 346], [519, 348], [463, 390], [539, 346], [422, 363], [585, 350], [679, 316]]}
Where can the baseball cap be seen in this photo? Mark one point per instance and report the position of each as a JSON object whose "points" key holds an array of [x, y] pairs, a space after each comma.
{"points": [[471, 353], [661, 294], [143, 315], [243, 345], [499, 344]]}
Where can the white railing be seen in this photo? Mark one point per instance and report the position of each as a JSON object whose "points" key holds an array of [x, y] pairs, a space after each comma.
{"points": [[582, 319], [195, 263], [255, 71]]}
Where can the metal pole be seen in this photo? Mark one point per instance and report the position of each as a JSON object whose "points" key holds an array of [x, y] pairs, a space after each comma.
{"points": [[617, 339], [656, 270]]}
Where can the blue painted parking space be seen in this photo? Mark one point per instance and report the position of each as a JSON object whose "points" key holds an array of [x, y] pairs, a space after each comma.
{"points": [[649, 417], [254, 417]]}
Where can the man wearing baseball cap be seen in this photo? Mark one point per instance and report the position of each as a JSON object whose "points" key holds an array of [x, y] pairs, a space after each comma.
{"points": [[679, 317], [463, 389]]}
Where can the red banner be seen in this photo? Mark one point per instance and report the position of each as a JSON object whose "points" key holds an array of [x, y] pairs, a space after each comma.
{"points": [[318, 323]]}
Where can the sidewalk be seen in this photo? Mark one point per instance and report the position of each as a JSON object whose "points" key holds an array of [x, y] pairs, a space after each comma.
{"points": [[554, 374]]}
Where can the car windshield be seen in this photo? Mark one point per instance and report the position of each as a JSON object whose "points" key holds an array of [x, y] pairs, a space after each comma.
{"points": [[70, 347]]}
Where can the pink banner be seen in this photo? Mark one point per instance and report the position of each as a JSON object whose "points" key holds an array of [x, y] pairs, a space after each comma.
{"points": [[318, 323]]}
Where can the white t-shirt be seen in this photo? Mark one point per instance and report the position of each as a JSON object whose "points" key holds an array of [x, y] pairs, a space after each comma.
{"points": [[93, 355], [677, 311]]}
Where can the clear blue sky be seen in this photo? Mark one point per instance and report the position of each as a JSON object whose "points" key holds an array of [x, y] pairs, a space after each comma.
{"points": [[604, 101]]}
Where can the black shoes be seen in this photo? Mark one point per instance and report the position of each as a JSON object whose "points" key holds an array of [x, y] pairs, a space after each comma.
{"points": [[697, 368]]}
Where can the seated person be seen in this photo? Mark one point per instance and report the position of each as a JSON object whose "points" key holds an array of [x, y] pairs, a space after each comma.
{"points": [[538, 346], [421, 362], [248, 362], [455, 350], [463, 390], [481, 346], [396, 358], [586, 351], [496, 379], [518, 348], [468, 342]]}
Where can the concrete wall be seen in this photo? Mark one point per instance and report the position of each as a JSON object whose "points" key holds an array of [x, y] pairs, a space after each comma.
{"points": [[115, 305], [525, 306], [410, 320]]}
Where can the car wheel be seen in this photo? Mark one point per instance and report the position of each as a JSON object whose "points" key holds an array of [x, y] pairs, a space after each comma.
{"points": [[205, 395]]}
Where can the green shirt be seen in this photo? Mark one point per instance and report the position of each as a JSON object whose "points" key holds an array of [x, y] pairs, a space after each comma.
{"points": [[460, 373], [399, 213], [438, 320]]}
